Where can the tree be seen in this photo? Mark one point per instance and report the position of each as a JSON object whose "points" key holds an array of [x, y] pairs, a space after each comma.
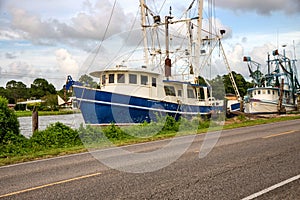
{"points": [[50, 102], [9, 124], [241, 83], [3, 93], [40, 87], [222, 85], [86, 80], [218, 88], [16, 90]]}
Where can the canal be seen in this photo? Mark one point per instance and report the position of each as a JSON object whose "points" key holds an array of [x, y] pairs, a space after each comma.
{"points": [[71, 120]]}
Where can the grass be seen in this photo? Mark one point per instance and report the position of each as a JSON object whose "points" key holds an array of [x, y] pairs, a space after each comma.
{"points": [[48, 153], [120, 138], [43, 113], [253, 122]]}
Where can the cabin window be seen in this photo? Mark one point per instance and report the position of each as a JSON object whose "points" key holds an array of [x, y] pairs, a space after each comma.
{"points": [[103, 81], [179, 92], [111, 78], [144, 80], [273, 92], [208, 93], [264, 92], [133, 78], [170, 90], [201, 94], [153, 82], [258, 92], [254, 92], [121, 78], [190, 93], [269, 92]]}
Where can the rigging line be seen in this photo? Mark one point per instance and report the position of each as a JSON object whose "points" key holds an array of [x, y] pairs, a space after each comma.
{"points": [[211, 21], [189, 8], [157, 38], [126, 40], [148, 9], [206, 31], [215, 25], [149, 22], [100, 45], [208, 57], [155, 6], [162, 6], [104, 36], [212, 16], [129, 55], [151, 39]]}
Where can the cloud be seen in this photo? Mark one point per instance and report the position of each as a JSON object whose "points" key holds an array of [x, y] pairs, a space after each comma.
{"points": [[18, 70], [10, 55], [265, 7], [260, 53], [235, 56], [10, 35], [86, 26], [21, 69], [67, 64]]}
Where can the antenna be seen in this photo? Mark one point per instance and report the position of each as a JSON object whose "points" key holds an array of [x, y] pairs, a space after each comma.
{"points": [[277, 38], [294, 46]]}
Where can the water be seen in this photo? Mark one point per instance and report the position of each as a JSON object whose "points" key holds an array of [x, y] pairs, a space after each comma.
{"points": [[71, 120]]}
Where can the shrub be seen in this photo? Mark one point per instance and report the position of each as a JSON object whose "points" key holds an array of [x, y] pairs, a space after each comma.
{"points": [[56, 135], [113, 132], [8, 121], [171, 124], [91, 134], [14, 145]]}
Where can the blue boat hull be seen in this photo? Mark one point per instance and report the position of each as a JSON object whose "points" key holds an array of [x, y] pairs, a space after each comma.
{"points": [[235, 107], [99, 107]]}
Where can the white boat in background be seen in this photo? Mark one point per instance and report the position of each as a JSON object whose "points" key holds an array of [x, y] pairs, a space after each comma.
{"points": [[169, 80], [277, 90]]}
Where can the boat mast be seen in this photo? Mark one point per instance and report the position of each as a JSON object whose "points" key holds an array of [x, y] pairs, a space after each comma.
{"points": [[143, 15], [168, 62], [199, 37]]}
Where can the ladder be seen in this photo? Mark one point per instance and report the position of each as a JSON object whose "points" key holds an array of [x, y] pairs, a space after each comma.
{"points": [[230, 72]]}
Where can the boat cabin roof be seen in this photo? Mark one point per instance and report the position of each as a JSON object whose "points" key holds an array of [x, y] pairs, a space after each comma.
{"points": [[123, 69], [263, 88]]}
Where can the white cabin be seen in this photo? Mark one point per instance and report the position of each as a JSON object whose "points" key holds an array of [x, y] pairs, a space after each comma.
{"points": [[148, 84]]}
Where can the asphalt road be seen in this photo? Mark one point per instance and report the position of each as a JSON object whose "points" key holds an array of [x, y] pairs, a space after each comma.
{"points": [[259, 162]]}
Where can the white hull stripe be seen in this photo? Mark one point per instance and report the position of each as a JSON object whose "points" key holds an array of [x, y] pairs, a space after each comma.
{"points": [[141, 107], [271, 102]]}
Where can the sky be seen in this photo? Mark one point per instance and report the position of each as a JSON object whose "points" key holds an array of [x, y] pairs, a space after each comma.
{"points": [[52, 39]]}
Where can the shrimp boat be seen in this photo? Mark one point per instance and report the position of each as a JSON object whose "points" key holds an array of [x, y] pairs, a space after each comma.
{"points": [[277, 90], [167, 82]]}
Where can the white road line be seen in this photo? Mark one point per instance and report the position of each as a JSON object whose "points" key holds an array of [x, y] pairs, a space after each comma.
{"points": [[257, 194]]}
